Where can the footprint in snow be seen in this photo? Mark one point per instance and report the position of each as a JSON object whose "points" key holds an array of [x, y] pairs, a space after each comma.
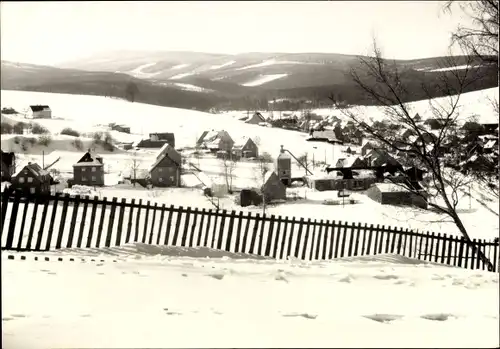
{"points": [[386, 277], [7, 318], [19, 315], [217, 276], [384, 318], [438, 316], [304, 315]]}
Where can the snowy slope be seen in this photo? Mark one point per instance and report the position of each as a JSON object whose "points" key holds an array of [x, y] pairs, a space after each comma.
{"points": [[166, 301]]}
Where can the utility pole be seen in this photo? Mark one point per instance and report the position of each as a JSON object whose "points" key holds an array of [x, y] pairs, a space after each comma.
{"points": [[43, 159]]}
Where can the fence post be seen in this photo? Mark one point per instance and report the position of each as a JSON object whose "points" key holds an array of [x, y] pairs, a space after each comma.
{"points": [[92, 221], [443, 248], [5, 202], [438, 240], [12, 221], [130, 220], [270, 236], [289, 238], [101, 221], [74, 216], [200, 229], [38, 246], [23, 223], [230, 230], [187, 218], [299, 238], [253, 237], [244, 248], [146, 221], [32, 225], [137, 220], [178, 218], [319, 239], [155, 208], [111, 222], [118, 240], [306, 238], [52, 221], [238, 233], [276, 238], [196, 213]]}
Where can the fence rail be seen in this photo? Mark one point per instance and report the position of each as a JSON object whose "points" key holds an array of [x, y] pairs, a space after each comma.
{"points": [[43, 223]]}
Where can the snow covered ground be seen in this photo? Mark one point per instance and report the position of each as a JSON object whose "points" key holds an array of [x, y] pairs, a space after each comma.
{"points": [[476, 103], [154, 298], [480, 217], [262, 79]]}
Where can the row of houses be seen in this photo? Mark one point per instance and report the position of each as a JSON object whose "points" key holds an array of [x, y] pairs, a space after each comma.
{"points": [[221, 143]]}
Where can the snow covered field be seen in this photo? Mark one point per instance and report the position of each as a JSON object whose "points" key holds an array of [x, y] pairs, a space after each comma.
{"points": [[151, 298], [476, 103], [480, 217]]}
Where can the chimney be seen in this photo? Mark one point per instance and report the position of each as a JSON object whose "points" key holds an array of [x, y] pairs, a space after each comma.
{"points": [[282, 150]]}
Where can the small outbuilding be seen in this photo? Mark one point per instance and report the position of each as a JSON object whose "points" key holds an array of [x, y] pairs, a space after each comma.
{"points": [[393, 194]]}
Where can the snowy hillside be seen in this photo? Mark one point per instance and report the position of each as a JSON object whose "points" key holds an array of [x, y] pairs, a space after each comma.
{"points": [[379, 302], [471, 104]]}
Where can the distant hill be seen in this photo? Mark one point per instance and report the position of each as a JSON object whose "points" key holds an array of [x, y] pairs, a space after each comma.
{"points": [[205, 80]]}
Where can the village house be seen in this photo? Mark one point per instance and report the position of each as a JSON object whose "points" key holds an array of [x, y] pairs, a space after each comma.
{"points": [[89, 170], [166, 170], [122, 128], [157, 140], [272, 187], [8, 165], [38, 112], [351, 162], [31, 179], [368, 146], [255, 119], [216, 141], [245, 148]]}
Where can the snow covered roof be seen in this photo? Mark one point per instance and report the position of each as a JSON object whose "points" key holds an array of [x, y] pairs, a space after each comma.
{"points": [[169, 152], [390, 187], [32, 167], [36, 108], [490, 144], [93, 162], [241, 142]]}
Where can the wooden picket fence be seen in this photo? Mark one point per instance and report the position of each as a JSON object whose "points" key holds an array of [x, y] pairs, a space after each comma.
{"points": [[44, 223]]}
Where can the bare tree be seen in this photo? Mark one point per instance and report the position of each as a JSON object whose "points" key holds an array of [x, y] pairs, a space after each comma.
{"points": [[135, 165], [229, 164], [480, 37], [305, 162], [381, 80], [264, 161]]}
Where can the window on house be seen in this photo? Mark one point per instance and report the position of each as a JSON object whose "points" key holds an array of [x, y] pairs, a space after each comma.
{"points": [[32, 190], [30, 179], [160, 169], [93, 179], [93, 169], [21, 179], [84, 179], [83, 169], [171, 178], [284, 172], [160, 179], [25, 172], [1, 173]]}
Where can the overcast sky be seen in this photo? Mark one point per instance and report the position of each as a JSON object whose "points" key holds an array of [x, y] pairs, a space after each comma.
{"points": [[49, 32]]}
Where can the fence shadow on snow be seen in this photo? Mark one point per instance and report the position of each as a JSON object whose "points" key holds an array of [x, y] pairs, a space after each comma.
{"points": [[43, 223]]}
